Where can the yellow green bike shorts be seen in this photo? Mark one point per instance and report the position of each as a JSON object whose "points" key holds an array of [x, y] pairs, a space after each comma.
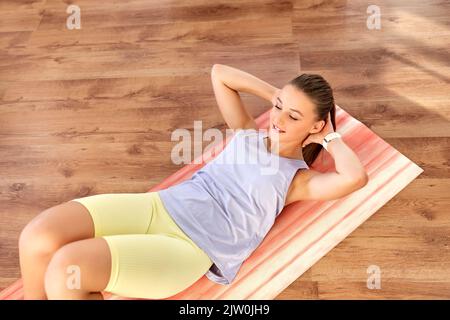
{"points": [[152, 258]]}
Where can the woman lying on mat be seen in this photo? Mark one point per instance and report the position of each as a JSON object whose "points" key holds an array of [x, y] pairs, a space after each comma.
{"points": [[154, 245]]}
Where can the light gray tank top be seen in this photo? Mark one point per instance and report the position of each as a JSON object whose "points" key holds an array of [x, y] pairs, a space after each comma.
{"points": [[228, 206]]}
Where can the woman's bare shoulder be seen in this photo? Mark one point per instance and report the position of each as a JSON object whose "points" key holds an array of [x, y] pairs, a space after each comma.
{"points": [[315, 185], [300, 179]]}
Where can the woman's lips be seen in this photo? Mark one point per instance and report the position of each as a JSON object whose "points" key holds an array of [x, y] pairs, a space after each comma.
{"points": [[274, 127]]}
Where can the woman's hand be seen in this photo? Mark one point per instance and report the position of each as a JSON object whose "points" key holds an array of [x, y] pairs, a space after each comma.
{"points": [[318, 137]]}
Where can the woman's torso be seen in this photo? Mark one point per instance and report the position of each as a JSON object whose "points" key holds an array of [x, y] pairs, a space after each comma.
{"points": [[296, 181], [229, 205]]}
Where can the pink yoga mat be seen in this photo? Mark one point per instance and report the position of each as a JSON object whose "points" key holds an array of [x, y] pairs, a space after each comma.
{"points": [[304, 231]]}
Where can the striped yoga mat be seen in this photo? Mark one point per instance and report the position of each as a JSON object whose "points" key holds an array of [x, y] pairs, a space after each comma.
{"points": [[304, 231]]}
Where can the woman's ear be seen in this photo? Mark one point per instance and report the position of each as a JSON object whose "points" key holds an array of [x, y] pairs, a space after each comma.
{"points": [[318, 126]]}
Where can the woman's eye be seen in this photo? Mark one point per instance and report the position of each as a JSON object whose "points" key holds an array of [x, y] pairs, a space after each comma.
{"points": [[276, 106]]}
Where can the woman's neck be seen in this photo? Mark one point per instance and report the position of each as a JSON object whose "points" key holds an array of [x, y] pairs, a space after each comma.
{"points": [[295, 153]]}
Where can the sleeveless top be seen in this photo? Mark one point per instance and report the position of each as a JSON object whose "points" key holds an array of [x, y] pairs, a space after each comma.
{"points": [[229, 205]]}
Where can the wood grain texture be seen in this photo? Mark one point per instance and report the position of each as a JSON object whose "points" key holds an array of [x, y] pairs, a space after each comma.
{"points": [[305, 231], [91, 111]]}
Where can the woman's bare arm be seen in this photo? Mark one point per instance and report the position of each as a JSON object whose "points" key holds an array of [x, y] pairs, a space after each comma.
{"points": [[227, 81], [350, 174]]}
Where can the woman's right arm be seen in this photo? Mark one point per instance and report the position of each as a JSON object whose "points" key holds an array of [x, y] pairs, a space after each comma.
{"points": [[227, 81]]}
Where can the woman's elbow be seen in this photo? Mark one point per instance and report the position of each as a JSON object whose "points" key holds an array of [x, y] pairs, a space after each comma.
{"points": [[358, 180], [216, 69], [362, 180]]}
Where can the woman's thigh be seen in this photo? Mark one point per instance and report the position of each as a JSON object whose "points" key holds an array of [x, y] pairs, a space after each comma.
{"points": [[80, 265], [153, 266], [56, 226], [120, 213]]}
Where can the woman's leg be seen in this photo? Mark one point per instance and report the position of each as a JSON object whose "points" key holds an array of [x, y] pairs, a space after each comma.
{"points": [[43, 236], [79, 270], [78, 219], [146, 266], [127, 221]]}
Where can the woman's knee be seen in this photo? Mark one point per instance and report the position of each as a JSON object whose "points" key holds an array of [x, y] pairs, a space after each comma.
{"points": [[80, 266], [55, 227], [63, 272], [39, 237]]}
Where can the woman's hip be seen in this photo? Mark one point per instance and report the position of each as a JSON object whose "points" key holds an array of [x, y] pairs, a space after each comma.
{"points": [[130, 213]]}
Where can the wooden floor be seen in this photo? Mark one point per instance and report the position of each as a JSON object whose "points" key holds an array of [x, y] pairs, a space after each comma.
{"points": [[91, 111]]}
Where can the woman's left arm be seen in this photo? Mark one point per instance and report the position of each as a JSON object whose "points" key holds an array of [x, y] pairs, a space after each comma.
{"points": [[350, 174]]}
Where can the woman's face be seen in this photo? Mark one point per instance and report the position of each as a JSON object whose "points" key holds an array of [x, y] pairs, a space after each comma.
{"points": [[294, 115]]}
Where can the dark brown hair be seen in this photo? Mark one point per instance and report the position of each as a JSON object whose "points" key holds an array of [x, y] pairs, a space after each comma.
{"points": [[321, 94]]}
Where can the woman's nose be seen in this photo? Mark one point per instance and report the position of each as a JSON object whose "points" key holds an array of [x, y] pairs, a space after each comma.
{"points": [[280, 120]]}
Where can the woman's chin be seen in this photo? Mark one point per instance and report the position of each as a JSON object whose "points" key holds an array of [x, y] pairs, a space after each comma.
{"points": [[274, 134]]}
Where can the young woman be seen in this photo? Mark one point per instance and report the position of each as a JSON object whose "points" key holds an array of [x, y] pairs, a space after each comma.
{"points": [[156, 244]]}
